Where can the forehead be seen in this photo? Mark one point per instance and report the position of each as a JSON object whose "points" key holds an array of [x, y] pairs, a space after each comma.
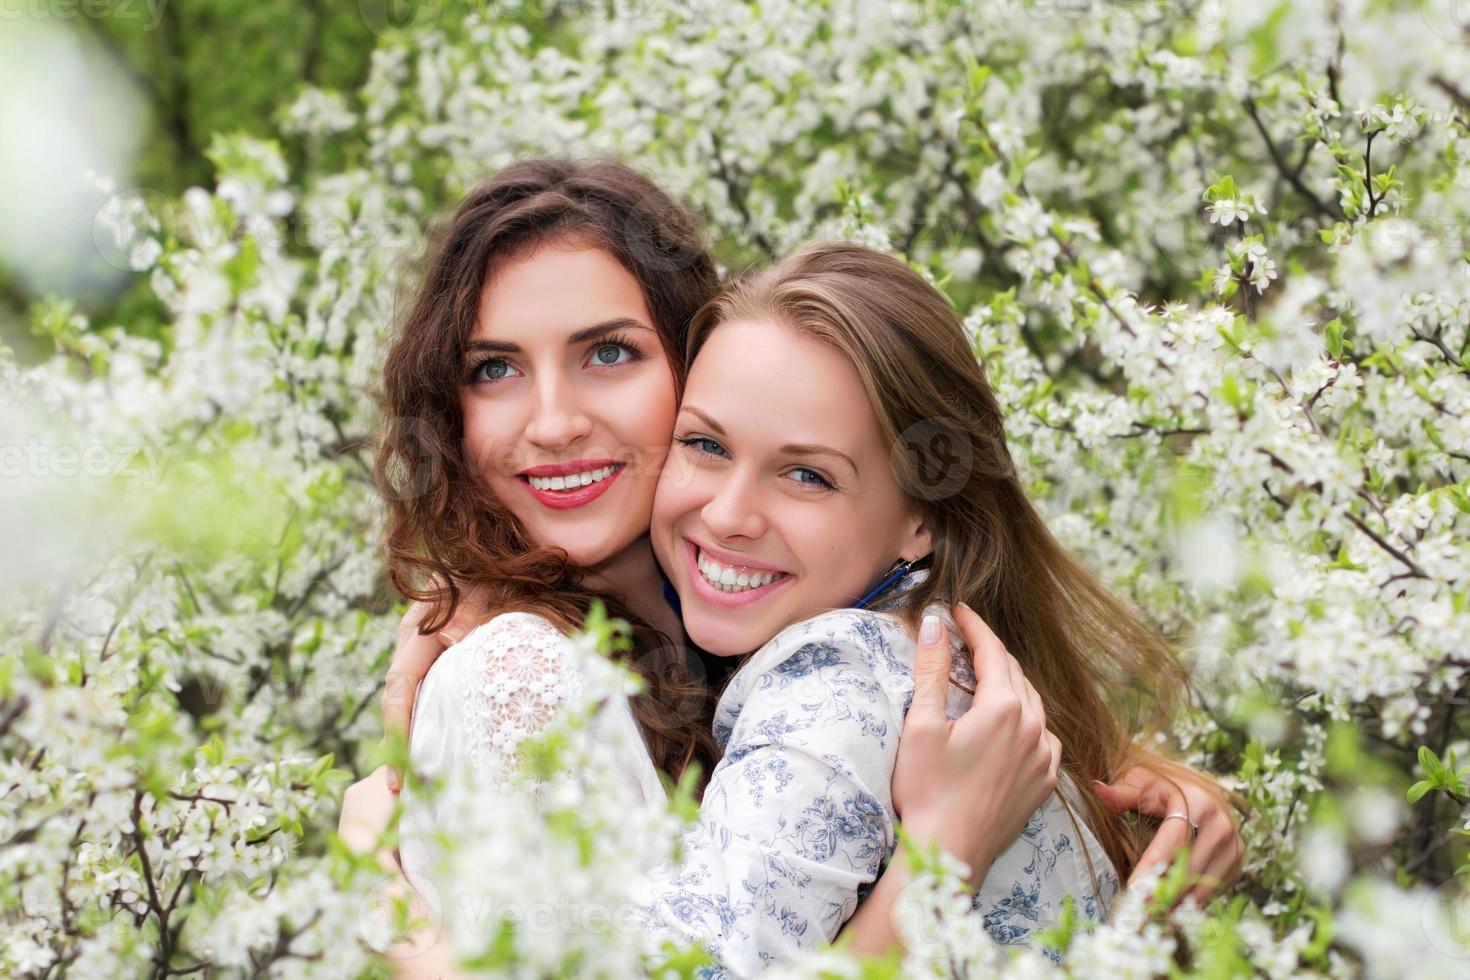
{"points": [[765, 379], [555, 289]]}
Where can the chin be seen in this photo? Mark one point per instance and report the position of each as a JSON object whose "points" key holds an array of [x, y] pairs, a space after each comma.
{"points": [[585, 555], [721, 640], [582, 552]]}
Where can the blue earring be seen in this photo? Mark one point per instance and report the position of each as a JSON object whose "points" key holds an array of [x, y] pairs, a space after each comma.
{"points": [[899, 570]]}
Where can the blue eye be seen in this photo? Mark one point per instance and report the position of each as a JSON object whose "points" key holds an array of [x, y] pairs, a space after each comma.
{"points": [[491, 369], [819, 481], [615, 350], [701, 445], [606, 355]]}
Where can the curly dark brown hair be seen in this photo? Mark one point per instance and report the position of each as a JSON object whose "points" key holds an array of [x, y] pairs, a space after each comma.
{"points": [[446, 532]]}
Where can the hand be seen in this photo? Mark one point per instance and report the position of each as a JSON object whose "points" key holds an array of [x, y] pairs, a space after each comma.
{"points": [[972, 783], [416, 653], [367, 809], [424, 952], [1215, 853]]}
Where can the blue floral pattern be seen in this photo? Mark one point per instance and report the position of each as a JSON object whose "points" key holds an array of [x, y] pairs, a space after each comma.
{"points": [[798, 820]]}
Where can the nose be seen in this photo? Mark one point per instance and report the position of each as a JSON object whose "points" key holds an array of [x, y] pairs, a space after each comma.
{"points": [[734, 511], [558, 418]]}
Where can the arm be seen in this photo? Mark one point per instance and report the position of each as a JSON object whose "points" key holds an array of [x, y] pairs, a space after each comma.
{"points": [[412, 658], [999, 753], [472, 711], [367, 812], [832, 740], [797, 815]]}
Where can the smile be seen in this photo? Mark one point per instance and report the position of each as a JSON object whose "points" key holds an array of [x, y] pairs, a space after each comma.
{"points": [[571, 481], [730, 584], [564, 485]]}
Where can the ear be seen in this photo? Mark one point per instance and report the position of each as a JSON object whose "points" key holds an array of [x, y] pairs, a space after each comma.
{"points": [[918, 539]]}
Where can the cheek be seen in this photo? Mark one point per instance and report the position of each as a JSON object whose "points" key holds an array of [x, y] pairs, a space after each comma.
{"points": [[679, 492], [818, 537], [648, 413], [640, 419], [833, 557], [484, 437]]}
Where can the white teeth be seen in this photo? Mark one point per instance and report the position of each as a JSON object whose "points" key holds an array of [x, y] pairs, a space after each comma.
{"points": [[728, 580], [571, 481]]}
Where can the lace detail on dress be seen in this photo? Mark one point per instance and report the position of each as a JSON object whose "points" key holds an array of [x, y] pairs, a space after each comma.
{"points": [[523, 680]]}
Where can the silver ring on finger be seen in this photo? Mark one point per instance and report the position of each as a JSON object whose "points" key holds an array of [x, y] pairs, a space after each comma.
{"points": [[1193, 827]]}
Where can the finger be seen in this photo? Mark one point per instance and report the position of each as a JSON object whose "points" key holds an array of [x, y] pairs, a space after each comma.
{"points": [[931, 670], [1218, 877], [1143, 790], [1170, 837], [994, 690], [410, 662], [1028, 694], [1208, 879], [1223, 870], [1033, 699], [1208, 885], [413, 617], [1017, 679], [1115, 796], [1237, 860], [989, 653], [1055, 766], [470, 612]]}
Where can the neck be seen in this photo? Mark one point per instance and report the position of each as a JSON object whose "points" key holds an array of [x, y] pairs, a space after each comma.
{"points": [[633, 577]]}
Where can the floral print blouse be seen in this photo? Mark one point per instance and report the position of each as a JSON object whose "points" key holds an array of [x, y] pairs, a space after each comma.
{"points": [[797, 820]]}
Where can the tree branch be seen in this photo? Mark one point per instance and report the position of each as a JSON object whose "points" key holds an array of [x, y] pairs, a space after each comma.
{"points": [[1293, 177]]}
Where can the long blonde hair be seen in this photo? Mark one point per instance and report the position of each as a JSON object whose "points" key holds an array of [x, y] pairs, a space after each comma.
{"points": [[1104, 675]]}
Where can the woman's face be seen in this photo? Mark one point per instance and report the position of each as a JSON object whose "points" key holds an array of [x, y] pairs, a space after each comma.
{"points": [[779, 487], [568, 400]]}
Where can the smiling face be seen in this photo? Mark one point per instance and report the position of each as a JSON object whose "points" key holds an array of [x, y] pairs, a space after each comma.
{"points": [[568, 399], [779, 487]]}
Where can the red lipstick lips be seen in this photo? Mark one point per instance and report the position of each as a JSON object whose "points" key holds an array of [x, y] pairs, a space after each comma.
{"points": [[577, 497]]}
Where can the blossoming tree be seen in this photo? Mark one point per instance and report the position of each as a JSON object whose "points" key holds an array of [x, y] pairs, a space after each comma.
{"points": [[1213, 255]]}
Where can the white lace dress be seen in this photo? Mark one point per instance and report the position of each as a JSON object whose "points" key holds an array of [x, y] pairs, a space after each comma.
{"points": [[797, 820]]}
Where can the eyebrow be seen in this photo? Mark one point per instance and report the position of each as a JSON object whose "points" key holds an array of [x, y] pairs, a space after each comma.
{"points": [[791, 448], [582, 336]]}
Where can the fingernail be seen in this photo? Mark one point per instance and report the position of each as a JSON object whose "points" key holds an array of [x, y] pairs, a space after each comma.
{"points": [[393, 781], [965, 605], [451, 634], [930, 630]]}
